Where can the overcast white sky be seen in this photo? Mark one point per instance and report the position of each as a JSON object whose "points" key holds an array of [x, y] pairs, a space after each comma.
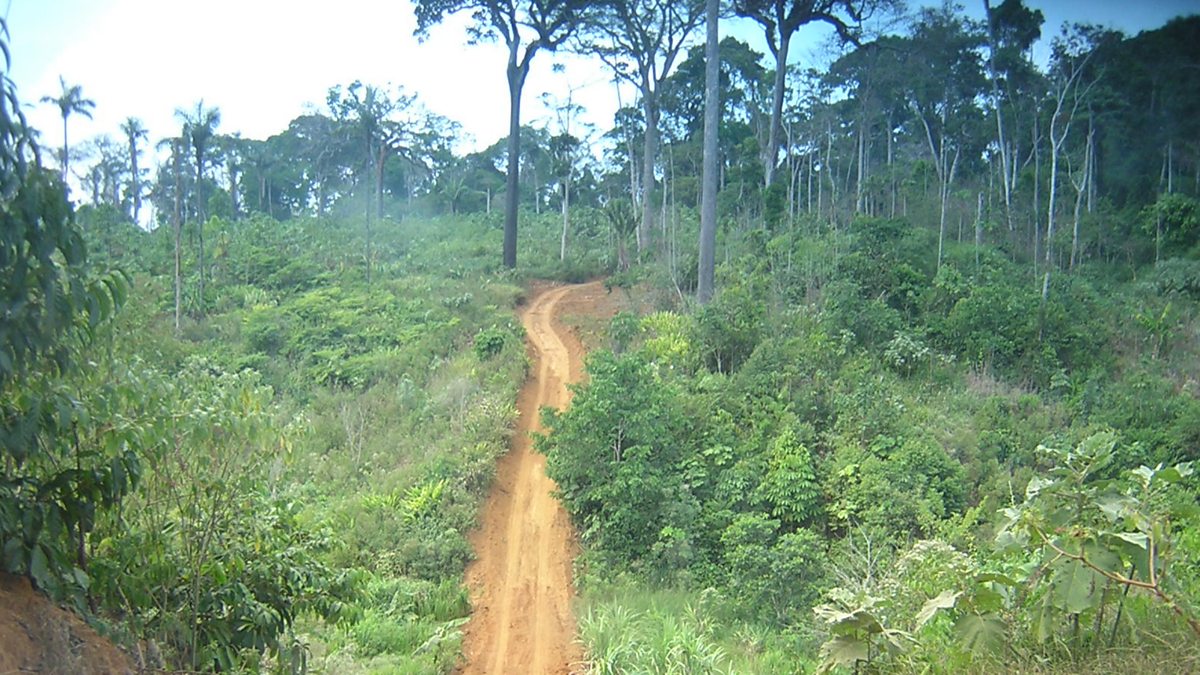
{"points": [[263, 61]]}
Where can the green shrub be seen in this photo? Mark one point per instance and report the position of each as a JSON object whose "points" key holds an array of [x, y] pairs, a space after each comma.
{"points": [[489, 342]]}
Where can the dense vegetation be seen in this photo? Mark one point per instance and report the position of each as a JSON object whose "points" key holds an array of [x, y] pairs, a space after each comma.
{"points": [[939, 415], [281, 476]]}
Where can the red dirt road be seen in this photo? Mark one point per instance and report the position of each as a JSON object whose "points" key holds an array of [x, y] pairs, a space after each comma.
{"points": [[520, 582]]}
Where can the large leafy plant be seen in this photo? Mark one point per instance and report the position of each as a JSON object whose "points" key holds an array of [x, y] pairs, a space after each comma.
{"points": [[1094, 535], [57, 466]]}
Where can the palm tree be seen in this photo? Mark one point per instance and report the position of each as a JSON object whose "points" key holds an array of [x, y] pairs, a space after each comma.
{"points": [[71, 100], [177, 147], [198, 129], [368, 110], [134, 130]]}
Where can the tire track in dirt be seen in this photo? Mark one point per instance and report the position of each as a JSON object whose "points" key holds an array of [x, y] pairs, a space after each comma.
{"points": [[520, 581]]}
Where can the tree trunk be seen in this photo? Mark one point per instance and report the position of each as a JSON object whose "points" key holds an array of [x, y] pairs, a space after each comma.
{"points": [[808, 194], [517, 70], [860, 175], [945, 174], [1055, 145], [978, 227], [708, 199], [792, 178], [649, 155], [233, 190], [64, 157], [947, 181], [890, 170], [780, 88], [633, 176], [1000, 138], [1170, 167], [177, 224], [136, 186], [1057, 140], [1075, 225], [1037, 189], [566, 205], [200, 219], [1082, 188], [828, 168], [1050, 208], [364, 183], [1091, 196], [380, 161]]}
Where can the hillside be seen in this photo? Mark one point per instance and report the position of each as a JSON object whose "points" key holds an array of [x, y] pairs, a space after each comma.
{"points": [[887, 362]]}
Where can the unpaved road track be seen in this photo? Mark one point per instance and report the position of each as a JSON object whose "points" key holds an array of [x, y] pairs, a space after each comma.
{"points": [[520, 582]]}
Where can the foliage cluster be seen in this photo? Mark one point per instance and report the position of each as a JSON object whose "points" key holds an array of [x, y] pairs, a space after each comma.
{"points": [[286, 482], [850, 448]]}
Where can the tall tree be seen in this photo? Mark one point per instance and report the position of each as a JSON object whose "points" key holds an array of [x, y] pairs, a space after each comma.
{"points": [[317, 140], [640, 41], [944, 79], [873, 77], [708, 193], [780, 19], [198, 128], [178, 146], [1069, 91], [568, 151], [1011, 29], [107, 174], [363, 111], [230, 151], [526, 27], [134, 132], [69, 101], [384, 125]]}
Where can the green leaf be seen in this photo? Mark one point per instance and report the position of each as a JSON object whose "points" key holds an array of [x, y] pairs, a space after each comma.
{"points": [[1144, 475], [1102, 557], [944, 600], [996, 577], [1115, 506], [842, 650], [1138, 539], [980, 633], [895, 639], [39, 567], [1036, 485], [1043, 621], [14, 555], [1074, 589], [985, 600]]}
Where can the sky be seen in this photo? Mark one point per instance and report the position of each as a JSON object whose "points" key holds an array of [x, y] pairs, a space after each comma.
{"points": [[265, 62]]}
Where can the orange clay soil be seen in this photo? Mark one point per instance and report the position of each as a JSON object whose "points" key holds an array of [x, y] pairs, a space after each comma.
{"points": [[520, 581], [36, 636]]}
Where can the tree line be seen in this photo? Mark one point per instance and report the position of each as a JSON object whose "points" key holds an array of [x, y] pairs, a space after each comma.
{"points": [[1091, 155]]}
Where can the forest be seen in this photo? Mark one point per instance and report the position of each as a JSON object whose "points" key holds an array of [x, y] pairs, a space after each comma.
{"points": [[909, 378]]}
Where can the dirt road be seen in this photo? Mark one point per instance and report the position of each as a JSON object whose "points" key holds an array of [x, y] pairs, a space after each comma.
{"points": [[520, 582]]}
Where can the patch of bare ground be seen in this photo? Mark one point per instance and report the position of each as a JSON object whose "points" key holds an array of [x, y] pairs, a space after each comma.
{"points": [[37, 636]]}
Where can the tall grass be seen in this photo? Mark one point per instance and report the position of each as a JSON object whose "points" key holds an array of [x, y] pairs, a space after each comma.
{"points": [[629, 628], [621, 640]]}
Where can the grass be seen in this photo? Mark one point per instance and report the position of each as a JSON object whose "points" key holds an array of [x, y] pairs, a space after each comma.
{"points": [[629, 628]]}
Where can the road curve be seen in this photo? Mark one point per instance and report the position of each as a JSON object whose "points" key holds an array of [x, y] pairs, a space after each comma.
{"points": [[520, 581]]}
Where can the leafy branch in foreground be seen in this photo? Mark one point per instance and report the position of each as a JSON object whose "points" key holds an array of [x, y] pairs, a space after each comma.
{"points": [[858, 633], [56, 472], [1095, 532]]}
